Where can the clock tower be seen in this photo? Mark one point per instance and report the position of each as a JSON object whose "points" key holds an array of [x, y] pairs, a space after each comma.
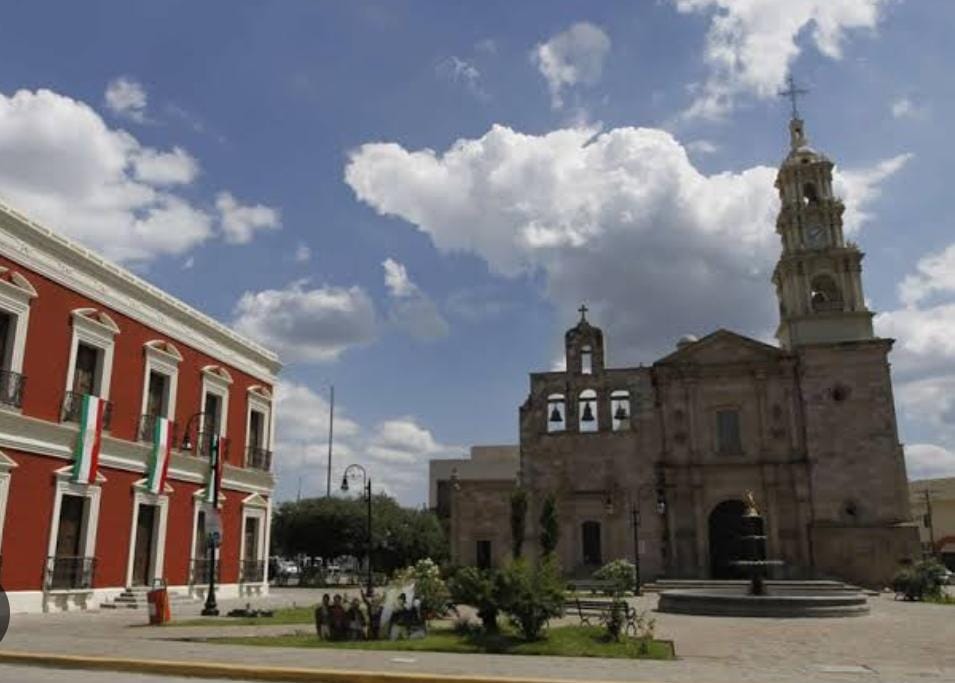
{"points": [[818, 277]]}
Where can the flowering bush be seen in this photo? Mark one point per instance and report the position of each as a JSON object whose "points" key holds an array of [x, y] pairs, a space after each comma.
{"points": [[620, 573], [429, 588]]}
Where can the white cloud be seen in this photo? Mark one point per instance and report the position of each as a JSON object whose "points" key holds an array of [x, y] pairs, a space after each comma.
{"points": [[303, 253], [935, 274], [394, 451], [702, 147], [622, 220], [572, 57], [61, 164], [126, 97], [928, 461], [240, 222], [411, 309], [863, 186], [906, 108], [165, 168], [463, 72], [310, 325], [488, 46], [751, 44]]}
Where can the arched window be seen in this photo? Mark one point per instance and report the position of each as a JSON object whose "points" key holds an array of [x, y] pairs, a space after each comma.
{"points": [[825, 294], [556, 413], [586, 360], [620, 410], [809, 194], [587, 411]]}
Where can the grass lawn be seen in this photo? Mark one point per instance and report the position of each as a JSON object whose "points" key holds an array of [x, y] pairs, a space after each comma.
{"points": [[287, 615], [561, 641]]}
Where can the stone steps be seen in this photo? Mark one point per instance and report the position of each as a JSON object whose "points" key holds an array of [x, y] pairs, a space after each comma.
{"points": [[135, 598]]}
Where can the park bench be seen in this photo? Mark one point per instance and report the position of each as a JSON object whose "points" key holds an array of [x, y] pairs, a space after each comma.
{"points": [[600, 610]]}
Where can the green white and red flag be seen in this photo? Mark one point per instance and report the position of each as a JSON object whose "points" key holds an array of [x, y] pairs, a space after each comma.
{"points": [[215, 470], [159, 462], [86, 453]]}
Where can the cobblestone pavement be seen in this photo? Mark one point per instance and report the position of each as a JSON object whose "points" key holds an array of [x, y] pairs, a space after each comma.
{"points": [[899, 641]]}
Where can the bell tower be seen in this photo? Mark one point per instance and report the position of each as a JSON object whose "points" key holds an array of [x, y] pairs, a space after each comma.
{"points": [[818, 277]]}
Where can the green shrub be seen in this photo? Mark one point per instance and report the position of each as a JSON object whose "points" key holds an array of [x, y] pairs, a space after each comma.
{"points": [[482, 590], [620, 573], [532, 596], [429, 587], [921, 581]]}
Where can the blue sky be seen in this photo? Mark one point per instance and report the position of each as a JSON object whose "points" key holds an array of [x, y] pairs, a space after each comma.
{"points": [[410, 199]]}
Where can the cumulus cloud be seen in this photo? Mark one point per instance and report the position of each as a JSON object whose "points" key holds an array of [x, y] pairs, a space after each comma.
{"points": [[751, 44], [302, 253], [411, 309], [395, 450], [702, 147], [177, 167], [906, 108], [622, 220], [126, 97], [309, 325], [240, 222], [573, 57], [929, 461]]}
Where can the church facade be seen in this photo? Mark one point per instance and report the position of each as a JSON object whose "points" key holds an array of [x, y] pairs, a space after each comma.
{"points": [[652, 463]]}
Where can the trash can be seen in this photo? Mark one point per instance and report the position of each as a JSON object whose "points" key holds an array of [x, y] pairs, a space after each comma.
{"points": [[158, 601]]}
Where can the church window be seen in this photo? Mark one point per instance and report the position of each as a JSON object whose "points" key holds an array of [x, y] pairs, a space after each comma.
{"points": [[556, 413], [620, 410], [809, 194], [483, 555], [728, 432], [586, 360], [825, 294], [587, 406]]}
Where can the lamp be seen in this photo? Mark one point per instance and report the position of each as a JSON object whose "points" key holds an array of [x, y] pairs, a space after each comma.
{"points": [[345, 484]]}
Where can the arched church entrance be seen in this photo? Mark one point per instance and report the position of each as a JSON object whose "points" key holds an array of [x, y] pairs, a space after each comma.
{"points": [[590, 536], [726, 544]]}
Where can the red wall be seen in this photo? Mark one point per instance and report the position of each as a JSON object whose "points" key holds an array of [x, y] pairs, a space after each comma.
{"points": [[46, 363], [26, 533]]}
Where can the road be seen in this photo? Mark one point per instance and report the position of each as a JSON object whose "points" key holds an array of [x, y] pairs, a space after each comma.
{"points": [[38, 674]]}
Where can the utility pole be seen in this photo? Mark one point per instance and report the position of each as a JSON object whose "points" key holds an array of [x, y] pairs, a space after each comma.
{"points": [[928, 519], [331, 423]]}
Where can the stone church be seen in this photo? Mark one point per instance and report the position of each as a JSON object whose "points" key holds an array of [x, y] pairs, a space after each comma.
{"points": [[652, 463]]}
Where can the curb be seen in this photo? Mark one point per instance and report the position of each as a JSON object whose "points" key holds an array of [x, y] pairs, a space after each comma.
{"points": [[258, 673]]}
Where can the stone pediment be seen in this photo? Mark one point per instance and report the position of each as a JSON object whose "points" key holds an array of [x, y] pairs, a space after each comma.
{"points": [[722, 347]]}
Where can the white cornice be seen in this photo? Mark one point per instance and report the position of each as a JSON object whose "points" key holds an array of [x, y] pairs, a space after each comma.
{"points": [[77, 268]]}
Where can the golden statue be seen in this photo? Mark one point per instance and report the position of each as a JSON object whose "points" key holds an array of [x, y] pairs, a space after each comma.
{"points": [[751, 509]]}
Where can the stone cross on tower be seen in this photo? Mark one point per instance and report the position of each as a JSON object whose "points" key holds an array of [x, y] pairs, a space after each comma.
{"points": [[793, 92], [583, 312]]}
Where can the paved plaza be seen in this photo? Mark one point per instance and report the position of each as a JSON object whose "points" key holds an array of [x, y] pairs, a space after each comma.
{"points": [[899, 641]]}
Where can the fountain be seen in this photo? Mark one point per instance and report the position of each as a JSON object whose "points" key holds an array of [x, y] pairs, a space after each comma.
{"points": [[756, 598]]}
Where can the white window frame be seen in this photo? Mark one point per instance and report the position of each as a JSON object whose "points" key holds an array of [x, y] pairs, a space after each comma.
{"points": [[259, 401], [216, 380], [142, 496], [7, 465], [257, 507], [162, 358], [65, 486], [99, 333], [15, 299]]}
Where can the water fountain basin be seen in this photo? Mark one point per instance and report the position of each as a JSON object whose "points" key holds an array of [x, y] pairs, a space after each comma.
{"points": [[780, 602]]}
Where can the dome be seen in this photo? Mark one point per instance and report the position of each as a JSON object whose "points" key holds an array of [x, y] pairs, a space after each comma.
{"points": [[686, 339]]}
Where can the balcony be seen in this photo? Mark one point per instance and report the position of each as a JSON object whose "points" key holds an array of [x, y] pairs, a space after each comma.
{"points": [[69, 573], [252, 571], [258, 458], [147, 430], [203, 446], [827, 306], [11, 388], [73, 409], [199, 571]]}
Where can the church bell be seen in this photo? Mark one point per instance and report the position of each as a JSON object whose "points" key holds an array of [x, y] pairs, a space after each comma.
{"points": [[621, 413], [555, 415], [588, 415]]}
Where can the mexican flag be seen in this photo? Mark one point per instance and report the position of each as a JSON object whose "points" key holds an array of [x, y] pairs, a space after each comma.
{"points": [[86, 453], [215, 471], [159, 462]]}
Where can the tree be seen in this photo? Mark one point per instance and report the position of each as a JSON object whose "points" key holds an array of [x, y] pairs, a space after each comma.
{"points": [[480, 588], [531, 595], [518, 520], [550, 530]]}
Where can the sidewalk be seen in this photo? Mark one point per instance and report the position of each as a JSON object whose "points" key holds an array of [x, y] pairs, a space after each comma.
{"points": [[899, 641]]}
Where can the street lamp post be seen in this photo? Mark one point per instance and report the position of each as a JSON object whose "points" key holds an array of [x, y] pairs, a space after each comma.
{"points": [[212, 522], [369, 591], [635, 521]]}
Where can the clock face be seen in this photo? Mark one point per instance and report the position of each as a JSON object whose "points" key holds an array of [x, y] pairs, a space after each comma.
{"points": [[816, 236]]}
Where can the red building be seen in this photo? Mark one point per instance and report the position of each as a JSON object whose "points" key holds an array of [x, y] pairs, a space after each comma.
{"points": [[71, 323]]}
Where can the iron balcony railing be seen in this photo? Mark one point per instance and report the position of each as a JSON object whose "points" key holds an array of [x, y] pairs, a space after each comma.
{"points": [[252, 571], [203, 446], [69, 572], [11, 388], [147, 430], [73, 409], [199, 570], [258, 458]]}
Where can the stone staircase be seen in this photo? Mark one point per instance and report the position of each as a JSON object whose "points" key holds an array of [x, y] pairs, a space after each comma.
{"points": [[135, 598]]}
